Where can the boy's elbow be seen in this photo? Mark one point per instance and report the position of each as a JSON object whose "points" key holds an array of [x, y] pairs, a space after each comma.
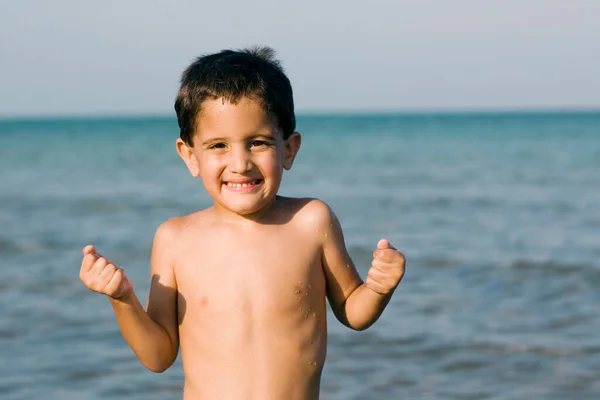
{"points": [[160, 362], [158, 367], [359, 326], [356, 325]]}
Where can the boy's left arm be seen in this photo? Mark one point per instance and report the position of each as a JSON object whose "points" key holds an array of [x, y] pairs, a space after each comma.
{"points": [[355, 303], [368, 301]]}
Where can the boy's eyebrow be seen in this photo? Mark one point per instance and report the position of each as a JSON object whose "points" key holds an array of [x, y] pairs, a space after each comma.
{"points": [[258, 135], [212, 140], [262, 135]]}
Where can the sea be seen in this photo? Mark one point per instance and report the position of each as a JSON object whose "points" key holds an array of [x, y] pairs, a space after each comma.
{"points": [[497, 213]]}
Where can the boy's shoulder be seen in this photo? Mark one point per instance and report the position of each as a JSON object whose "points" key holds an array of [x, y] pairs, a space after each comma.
{"points": [[172, 228], [309, 212]]}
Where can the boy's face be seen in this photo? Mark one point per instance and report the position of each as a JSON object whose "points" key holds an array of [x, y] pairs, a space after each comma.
{"points": [[239, 154]]}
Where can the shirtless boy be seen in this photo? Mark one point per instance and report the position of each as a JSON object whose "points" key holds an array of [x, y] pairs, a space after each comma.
{"points": [[241, 286]]}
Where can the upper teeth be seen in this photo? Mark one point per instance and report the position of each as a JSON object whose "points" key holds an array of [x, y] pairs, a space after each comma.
{"points": [[230, 184]]}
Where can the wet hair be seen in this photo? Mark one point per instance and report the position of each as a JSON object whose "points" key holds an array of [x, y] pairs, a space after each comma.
{"points": [[232, 75]]}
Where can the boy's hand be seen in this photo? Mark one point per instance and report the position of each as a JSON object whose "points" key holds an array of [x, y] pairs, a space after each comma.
{"points": [[387, 268], [100, 275]]}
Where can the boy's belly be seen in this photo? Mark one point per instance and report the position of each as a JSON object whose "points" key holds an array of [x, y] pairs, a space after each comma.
{"points": [[261, 362], [255, 339]]}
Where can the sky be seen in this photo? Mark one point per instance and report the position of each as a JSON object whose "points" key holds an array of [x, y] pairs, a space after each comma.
{"points": [[73, 57]]}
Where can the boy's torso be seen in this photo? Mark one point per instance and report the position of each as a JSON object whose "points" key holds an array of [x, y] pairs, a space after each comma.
{"points": [[251, 308]]}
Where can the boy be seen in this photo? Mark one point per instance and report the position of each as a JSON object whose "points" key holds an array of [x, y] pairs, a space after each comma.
{"points": [[241, 286]]}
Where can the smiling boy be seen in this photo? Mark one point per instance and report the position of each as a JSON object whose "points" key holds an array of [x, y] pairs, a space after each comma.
{"points": [[241, 287]]}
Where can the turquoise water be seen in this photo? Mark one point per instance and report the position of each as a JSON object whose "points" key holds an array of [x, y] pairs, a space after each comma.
{"points": [[498, 215]]}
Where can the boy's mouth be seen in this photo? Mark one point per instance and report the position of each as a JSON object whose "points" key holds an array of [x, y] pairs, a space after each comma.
{"points": [[243, 186]]}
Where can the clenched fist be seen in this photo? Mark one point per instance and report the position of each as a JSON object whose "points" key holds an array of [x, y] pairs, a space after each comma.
{"points": [[387, 268], [100, 275]]}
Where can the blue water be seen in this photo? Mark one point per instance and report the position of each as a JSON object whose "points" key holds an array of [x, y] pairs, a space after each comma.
{"points": [[498, 215]]}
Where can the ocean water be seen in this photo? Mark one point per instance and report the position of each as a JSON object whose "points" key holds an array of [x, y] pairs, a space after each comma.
{"points": [[497, 214]]}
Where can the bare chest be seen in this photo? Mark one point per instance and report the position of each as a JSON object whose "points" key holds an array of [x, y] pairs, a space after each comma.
{"points": [[250, 276]]}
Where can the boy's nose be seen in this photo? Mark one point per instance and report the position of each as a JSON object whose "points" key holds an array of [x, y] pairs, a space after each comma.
{"points": [[240, 162]]}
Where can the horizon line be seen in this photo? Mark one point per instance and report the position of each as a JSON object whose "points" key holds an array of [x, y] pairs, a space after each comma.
{"points": [[309, 113]]}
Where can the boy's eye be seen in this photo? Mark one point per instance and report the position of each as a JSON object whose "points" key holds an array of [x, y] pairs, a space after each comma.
{"points": [[217, 146], [258, 143]]}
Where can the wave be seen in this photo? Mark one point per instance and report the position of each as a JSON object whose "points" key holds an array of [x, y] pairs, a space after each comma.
{"points": [[13, 247], [79, 207], [553, 267]]}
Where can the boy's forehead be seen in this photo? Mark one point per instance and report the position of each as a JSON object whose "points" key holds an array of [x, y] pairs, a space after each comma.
{"points": [[246, 116]]}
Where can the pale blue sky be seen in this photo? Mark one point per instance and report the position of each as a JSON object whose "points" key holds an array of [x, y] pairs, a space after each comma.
{"points": [[124, 57]]}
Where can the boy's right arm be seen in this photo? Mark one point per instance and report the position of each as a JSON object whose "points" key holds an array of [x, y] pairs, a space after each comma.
{"points": [[152, 333]]}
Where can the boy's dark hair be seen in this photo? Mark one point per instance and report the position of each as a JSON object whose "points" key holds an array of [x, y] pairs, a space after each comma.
{"points": [[232, 75]]}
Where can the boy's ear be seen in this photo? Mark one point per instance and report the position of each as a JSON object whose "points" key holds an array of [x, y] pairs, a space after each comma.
{"points": [[292, 145], [188, 157]]}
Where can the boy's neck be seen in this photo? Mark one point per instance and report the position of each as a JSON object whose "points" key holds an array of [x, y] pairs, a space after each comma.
{"points": [[261, 217]]}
